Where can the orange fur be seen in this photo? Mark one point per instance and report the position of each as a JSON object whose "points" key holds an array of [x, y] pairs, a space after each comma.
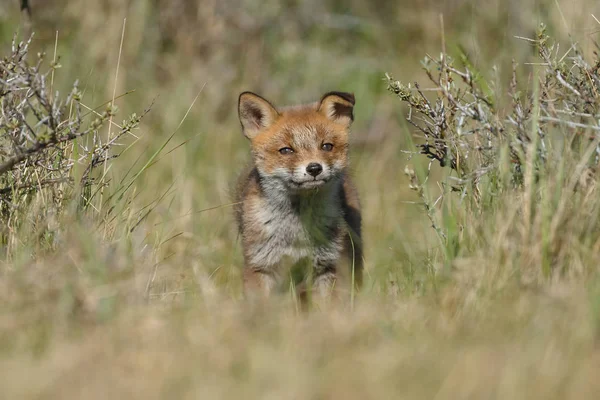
{"points": [[297, 201]]}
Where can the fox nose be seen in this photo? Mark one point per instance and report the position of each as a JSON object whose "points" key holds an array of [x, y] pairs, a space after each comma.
{"points": [[314, 169]]}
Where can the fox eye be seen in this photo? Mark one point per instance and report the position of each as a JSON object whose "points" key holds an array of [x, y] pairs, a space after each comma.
{"points": [[327, 147], [286, 150]]}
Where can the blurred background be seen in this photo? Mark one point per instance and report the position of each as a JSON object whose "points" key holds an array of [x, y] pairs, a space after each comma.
{"points": [[289, 52], [189, 60]]}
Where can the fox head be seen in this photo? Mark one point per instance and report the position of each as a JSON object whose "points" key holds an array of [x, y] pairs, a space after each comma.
{"points": [[303, 147]]}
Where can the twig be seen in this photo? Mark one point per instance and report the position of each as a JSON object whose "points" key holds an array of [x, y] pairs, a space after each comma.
{"points": [[33, 186]]}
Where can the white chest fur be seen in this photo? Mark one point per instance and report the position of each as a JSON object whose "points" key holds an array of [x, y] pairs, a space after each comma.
{"points": [[295, 227]]}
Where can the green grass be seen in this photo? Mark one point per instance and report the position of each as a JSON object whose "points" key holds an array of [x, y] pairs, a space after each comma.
{"points": [[139, 294]]}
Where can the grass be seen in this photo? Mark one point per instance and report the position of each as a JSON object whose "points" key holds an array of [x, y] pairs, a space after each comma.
{"points": [[481, 260]]}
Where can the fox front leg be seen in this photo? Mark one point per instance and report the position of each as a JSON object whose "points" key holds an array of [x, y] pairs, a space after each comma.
{"points": [[324, 282], [258, 282]]}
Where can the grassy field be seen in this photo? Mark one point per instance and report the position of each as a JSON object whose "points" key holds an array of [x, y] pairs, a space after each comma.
{"points": [[481, 267]]}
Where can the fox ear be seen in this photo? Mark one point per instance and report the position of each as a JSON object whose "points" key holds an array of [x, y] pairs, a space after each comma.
{"points": [[338, 106], [255, 114]]}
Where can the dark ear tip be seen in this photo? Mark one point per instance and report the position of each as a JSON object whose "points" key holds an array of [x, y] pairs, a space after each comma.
{"points": [[349, 97], [246, 93], [254, 98]]}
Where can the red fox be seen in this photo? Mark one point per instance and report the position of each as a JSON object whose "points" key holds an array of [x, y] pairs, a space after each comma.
{"points": [[296, 202]]}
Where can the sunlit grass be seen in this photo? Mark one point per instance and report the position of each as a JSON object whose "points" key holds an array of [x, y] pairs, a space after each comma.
{"points": [[488, 297]]}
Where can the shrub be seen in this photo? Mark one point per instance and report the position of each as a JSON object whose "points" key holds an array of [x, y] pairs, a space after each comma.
{"points": [[520, 197], [50, 147]]}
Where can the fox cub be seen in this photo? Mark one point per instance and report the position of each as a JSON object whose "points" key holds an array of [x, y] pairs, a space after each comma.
{"points": [[296, 204]]}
